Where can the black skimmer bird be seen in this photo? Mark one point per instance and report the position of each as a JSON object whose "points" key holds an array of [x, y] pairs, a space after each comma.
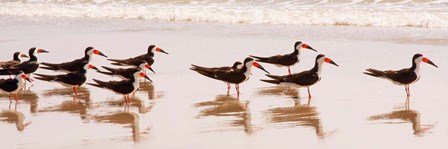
{"points": [[16, 60], [236, 76], [73, 79], [304, 78], [286, 59], [27, 67], [126, 73], [124, 87], [135, 61], [404, 76], [75, 65], [12, 86]]}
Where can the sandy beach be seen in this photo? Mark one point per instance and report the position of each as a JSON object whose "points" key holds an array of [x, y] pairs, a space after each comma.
{"points": [[182, 109]]}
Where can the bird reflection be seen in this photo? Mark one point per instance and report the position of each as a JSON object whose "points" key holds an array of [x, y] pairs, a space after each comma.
{"points": [[123, 118], [297, 115], [14, 116], [149, 88], [79, 105], [228, 106], [29, 97], [407, 115], [135, 101], [83, 93], [280, 90]]}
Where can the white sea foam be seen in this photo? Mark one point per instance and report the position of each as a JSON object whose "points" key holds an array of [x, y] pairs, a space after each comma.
{"points": [[381, 13]]}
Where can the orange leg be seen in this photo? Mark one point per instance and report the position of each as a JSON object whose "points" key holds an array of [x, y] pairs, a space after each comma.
{"points": [[17, 98], [228, 89], [408, 93], [237, 86], [309, 94], [289, 69], [10, 101], [74, 89]]}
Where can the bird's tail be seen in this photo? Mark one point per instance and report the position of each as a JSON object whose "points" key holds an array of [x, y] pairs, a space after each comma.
{"points": [[49, 66], [274, 77], [99, 83], [374, 72], [108, 69], [260, 59], [117, 62], [203, 72], [272, 81], [198, 68], [45, 77]]}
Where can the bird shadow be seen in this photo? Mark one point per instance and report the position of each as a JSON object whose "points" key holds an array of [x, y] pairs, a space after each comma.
{"points": [[125, 118], [13, 116], [298, 115], [27, 96], [404, 115], [228, 107], [79, 104]]}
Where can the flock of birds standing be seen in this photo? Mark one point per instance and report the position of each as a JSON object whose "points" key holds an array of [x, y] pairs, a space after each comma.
{"points": [[75, 71]]}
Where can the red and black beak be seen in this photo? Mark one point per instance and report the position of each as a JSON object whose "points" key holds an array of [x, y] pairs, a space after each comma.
{"points": [[160, 50], [328, 60], [426, 60], [42, 51], [149, 67], [259, 66], [93, 67], [24, 76], [23, 55], [308, 47], [97, 52], [145, 76]]}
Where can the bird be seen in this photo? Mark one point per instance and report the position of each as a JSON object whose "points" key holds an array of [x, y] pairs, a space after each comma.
{"points": [[16, 60], [135, 61], [13, 86], [406, 76], [124, 87], [286, 59], [27, 67], [75, 65], [234, 76], [125, 73], [305, 78], [74, 79]]}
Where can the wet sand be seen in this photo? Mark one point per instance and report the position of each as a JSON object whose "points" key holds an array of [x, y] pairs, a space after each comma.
{"points": [[182, 109]]}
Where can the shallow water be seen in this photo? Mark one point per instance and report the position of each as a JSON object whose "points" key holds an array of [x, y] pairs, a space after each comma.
{"points": [[182, 109]]}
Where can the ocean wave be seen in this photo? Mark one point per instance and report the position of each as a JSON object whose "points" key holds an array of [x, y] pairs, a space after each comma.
{"points": [[377, 13]]}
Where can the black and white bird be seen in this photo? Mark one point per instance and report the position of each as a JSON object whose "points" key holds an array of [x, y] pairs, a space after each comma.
{"points": [[304, 78], [126, 73], [287, 60], [406, 76], [124, 87], [75, 65], [73, 79], [13, 86], [233, 76], [16, 60], [27, 67]]}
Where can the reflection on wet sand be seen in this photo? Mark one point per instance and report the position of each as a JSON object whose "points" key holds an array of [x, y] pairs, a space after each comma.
{"points": [[135, 101], [123, 118], [149, 88], [75, 105], [228, 106], [29, 97], [14, 116], [83, 93], [297, 115], [280, 90], [406, 115]]}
